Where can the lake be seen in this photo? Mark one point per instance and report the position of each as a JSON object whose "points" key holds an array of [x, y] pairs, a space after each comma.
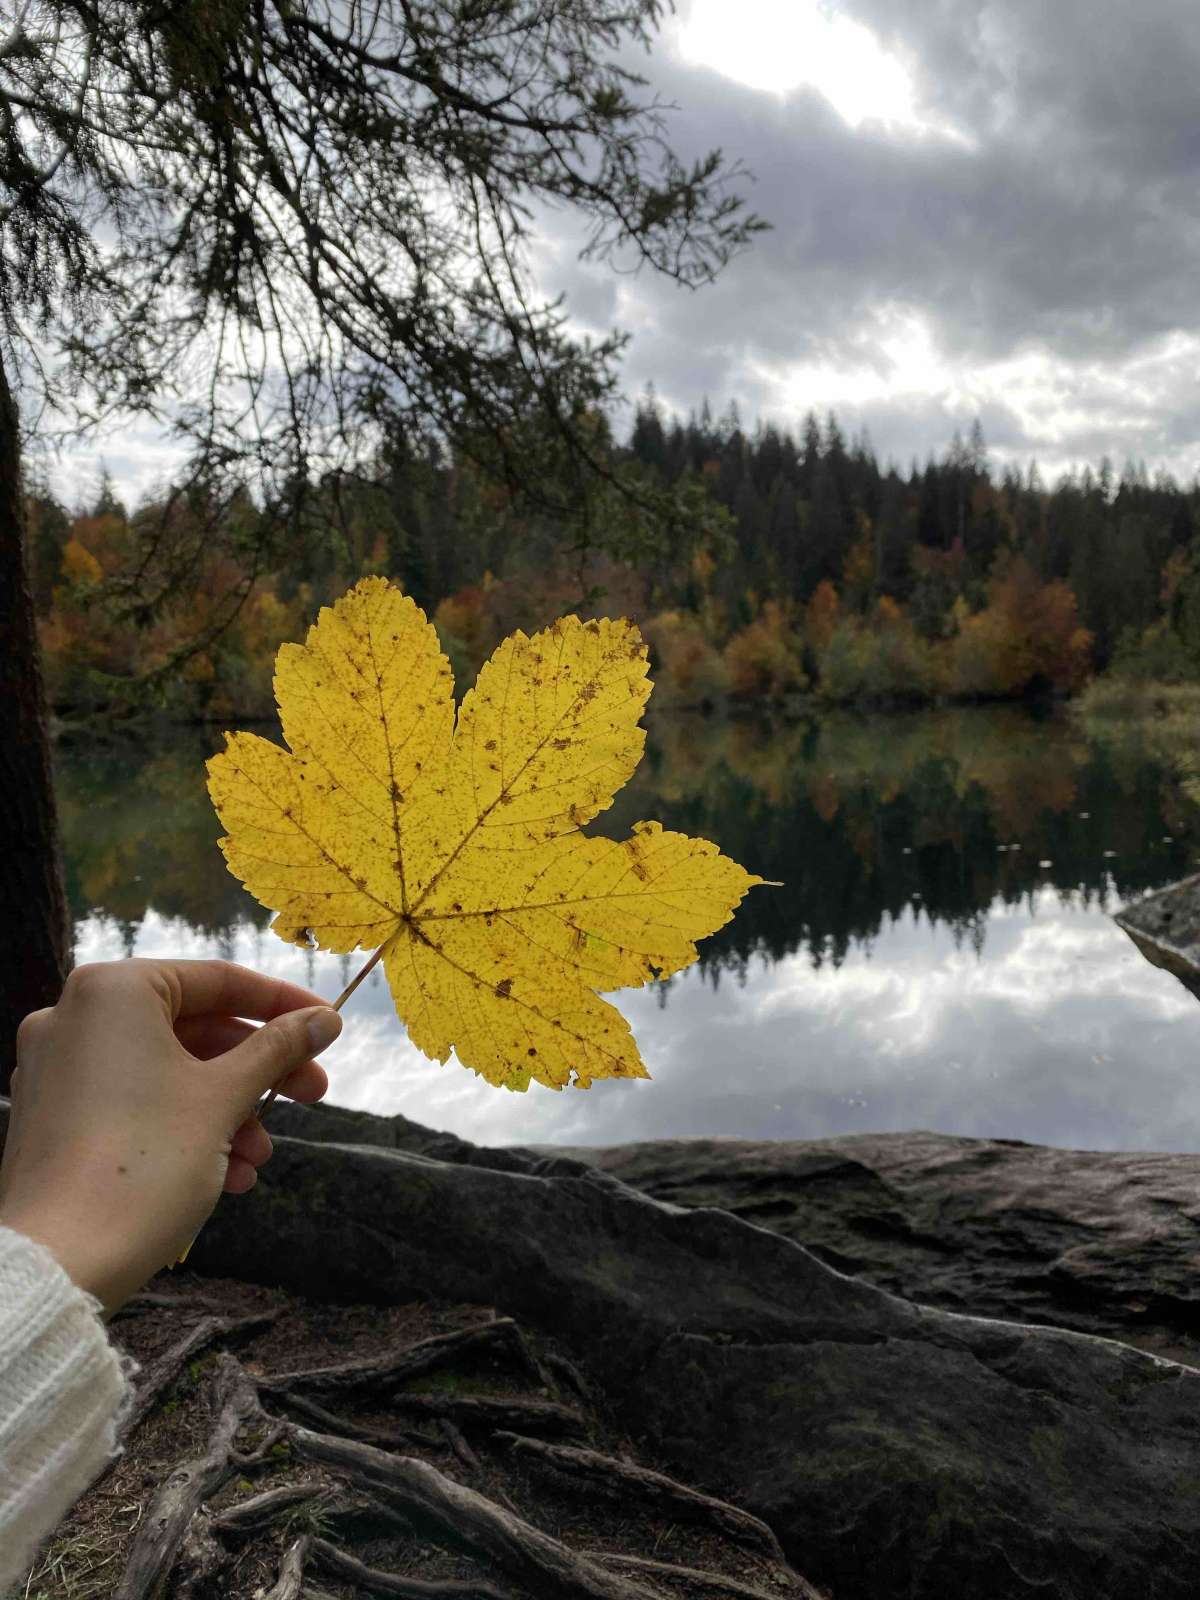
{"points": [[942, 954]]}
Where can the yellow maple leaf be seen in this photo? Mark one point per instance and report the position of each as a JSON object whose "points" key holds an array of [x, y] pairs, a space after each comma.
{"points": [[453, 848]]}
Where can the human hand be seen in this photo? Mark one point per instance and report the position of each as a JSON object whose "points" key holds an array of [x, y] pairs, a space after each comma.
{"points": [[132, 1108]]}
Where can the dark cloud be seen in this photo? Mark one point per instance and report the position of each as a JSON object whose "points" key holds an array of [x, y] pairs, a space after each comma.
{"points": [[1060, 231]]}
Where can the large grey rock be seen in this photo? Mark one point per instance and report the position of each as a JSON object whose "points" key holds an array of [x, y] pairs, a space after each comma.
{"points": [[898, 1450], [1099, 1241], [1165, 926]]}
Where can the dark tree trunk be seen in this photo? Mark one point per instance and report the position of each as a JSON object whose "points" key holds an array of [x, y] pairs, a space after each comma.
{"points": [[35, 943]]}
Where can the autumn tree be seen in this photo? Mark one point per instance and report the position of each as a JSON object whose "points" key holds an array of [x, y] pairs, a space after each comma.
{"points": [[286, 231]]}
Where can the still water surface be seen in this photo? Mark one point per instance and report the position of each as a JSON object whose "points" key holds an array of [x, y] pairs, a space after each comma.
{"points": [[942, 954]]}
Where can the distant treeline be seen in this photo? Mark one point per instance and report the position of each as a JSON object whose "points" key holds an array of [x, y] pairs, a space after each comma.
{"points": [[805, 570]]}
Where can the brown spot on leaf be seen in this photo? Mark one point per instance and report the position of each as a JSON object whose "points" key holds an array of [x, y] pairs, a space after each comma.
{"points": [[531, 1051], [504, 988], [490, 745], [561, 744]]}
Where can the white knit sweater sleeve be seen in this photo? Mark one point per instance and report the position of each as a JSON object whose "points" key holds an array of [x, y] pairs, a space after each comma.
{"points": [[62, 1388]]}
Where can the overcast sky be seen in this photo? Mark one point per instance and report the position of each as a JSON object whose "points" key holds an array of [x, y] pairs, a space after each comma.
{"points": [[982, 207]]}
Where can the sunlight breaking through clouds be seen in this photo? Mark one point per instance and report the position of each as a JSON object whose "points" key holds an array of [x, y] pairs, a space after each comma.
{"points": [[780, 45]]}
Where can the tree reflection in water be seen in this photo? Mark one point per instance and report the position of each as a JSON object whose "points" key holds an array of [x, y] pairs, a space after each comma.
{"points": [[863, 818]]}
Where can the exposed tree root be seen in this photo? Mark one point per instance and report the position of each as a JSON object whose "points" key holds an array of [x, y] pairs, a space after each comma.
{"points": [[381, 1374], [139, 1304], [623, 1478], [386, 1438], [263, 1510], [561, 1367], [491, 1412], [367, 1485], [290, 1583], [337, 1564], [162, 1531], [456, 1441], [160, 1374], [463, 1519], [697, 1582]]}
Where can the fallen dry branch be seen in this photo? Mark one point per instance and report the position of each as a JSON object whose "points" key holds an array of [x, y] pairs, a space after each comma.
{"points": [[623, 1479]]}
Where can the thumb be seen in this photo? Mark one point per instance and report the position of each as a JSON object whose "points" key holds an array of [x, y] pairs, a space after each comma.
{"points": [[264, 1059]]}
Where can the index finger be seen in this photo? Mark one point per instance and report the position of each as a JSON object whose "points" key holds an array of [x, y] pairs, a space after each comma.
{"points": [[202, 988]]}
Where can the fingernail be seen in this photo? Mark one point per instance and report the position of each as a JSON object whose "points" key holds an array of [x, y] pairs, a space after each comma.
{"points": [[323, 1028]]}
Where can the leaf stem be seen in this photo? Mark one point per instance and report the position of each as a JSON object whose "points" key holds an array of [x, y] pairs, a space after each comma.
{"points": [[337, 1006], [358, 977]]}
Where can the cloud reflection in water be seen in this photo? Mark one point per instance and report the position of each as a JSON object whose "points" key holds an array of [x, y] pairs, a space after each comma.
{"points": [[1060, 1033]]}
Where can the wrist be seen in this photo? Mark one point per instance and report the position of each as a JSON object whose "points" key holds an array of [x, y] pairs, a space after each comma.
{"points": [[108, 1281]]}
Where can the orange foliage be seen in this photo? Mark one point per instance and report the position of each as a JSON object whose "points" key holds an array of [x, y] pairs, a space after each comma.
{"points": [[763, 659], [821, 615], [1028, 632]]}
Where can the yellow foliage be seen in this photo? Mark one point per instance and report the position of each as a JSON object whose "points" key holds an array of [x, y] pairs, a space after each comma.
{"points": [[79, 565], [457, 847]]}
